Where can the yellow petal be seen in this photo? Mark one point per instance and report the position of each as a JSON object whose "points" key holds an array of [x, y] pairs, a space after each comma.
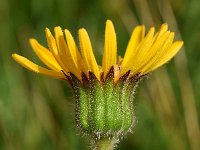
{"points": [[73, 50], [175, 47], [159, 54], [53, 47], [33, 67], [162, 30], [131, 50], [148, 55], [110, 47], [65, 54], [87, 52], [45, 55], [143, 47]]}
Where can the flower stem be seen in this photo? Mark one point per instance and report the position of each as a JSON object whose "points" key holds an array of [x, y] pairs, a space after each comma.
{"points": [[105, 144]]}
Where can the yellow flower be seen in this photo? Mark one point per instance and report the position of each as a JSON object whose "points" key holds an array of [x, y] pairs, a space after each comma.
{"points": [[144, 53], [104, 94]]}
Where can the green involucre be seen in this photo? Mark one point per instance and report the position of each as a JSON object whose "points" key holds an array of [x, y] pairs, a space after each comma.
{"points": [[103, 107]]}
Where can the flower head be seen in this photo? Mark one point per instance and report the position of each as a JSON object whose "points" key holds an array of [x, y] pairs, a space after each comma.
{"points": [[104, 94], [144, 53]]}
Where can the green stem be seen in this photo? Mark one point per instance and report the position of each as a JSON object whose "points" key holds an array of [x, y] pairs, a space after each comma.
{"points": [[105, 144]]}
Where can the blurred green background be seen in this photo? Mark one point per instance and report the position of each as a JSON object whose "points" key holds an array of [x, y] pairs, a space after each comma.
{"points": [[36, 112]]}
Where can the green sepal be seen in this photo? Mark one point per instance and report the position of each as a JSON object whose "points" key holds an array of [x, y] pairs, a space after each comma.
{"points": [[97, 103], [82, 101]]}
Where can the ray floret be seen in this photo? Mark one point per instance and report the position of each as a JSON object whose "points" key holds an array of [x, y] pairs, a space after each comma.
{"points": [[144, 53]]}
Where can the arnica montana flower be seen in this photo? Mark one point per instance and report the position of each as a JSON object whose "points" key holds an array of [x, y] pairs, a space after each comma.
{"points": [[103, 93]]}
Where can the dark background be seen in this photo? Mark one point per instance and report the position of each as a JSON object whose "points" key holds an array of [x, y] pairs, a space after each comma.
{"points": [[36, 112]]}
